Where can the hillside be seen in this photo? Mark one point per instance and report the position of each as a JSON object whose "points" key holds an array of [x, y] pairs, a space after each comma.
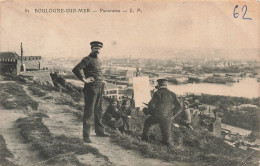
{"points": [[41, 125]]}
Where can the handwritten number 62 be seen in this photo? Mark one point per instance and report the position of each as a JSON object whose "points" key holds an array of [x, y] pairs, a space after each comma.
{"points": [[237, 14]]}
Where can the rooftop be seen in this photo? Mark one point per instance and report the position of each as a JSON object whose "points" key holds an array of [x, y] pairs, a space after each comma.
{"points": [[9, 55], [14, 55], [111, 86]]}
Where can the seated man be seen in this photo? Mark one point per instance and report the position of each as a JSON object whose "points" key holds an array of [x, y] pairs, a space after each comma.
{"points": [[112, 116]]}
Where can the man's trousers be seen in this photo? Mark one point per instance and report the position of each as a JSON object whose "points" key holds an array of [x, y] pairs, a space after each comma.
{"points": [[93, 97], [165, 126]]}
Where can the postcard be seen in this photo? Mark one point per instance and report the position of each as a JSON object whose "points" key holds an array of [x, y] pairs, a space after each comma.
{"points": [[132, 82]]}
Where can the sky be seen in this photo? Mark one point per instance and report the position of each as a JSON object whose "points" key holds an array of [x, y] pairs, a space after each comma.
{"points": [[163, 29]]}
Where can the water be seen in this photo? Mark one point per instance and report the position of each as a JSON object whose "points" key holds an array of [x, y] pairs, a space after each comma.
{"points": [[248, 87]]}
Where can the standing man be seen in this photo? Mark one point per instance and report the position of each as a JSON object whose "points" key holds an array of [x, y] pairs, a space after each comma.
{"points": [[93, 90], [163, 105]]}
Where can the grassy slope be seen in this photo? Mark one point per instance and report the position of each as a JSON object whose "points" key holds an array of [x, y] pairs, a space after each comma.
{"points": [[191, 146], [59, 150], [14, 97], [197, 146], [5, 153]]}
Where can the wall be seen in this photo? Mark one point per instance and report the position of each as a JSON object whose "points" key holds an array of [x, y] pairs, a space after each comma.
{"points": [[40, 76], [31, 63]]}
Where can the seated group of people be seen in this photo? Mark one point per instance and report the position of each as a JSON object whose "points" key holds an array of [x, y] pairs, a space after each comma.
{"points": [[118, 116]]}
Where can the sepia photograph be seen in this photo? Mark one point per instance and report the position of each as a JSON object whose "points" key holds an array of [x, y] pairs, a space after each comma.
{"points": [[129, 83]]}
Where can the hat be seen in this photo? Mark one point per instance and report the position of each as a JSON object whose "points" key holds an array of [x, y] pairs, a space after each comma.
{"points": [[162, 81], [96, 44]]}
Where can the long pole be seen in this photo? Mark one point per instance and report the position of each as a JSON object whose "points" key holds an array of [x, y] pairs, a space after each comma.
{"points": [[21, 53]]}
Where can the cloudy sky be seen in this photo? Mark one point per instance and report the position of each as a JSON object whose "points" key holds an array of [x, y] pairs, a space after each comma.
{"points": [[158, 31]]}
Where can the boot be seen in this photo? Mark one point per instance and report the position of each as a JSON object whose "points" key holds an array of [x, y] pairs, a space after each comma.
{"points": [[87, 140]]}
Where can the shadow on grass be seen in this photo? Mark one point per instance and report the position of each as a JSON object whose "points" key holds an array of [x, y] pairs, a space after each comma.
{"points": [[54, 149]]}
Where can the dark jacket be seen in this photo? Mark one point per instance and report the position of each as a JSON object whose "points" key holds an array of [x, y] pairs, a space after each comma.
{"points": [[125, 112], [92, 67], [164, 103], [111, 113], [127, 122]]}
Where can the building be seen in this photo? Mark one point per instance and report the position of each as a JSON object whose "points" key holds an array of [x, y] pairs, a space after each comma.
{"points": [[10, 62], [111, 91], [127, 72], [119, 75]]}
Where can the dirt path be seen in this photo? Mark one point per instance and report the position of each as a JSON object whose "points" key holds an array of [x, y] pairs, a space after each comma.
{"points": [[62, 121], [21, 151], [23, 155]]}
